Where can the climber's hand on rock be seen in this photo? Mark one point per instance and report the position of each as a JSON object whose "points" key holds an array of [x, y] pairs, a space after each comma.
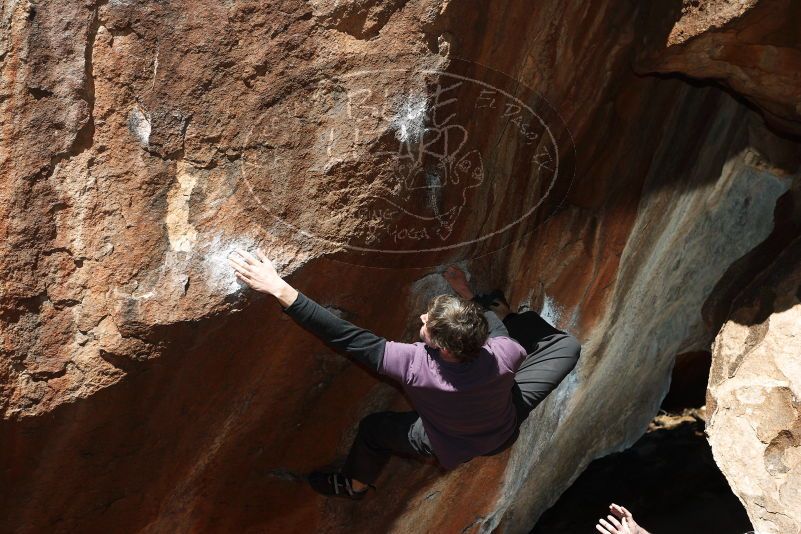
{"points": [[458, 281], [260, 274]]}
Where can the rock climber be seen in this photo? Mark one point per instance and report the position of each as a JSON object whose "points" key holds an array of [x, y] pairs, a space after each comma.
{"points": [[471, 385]]}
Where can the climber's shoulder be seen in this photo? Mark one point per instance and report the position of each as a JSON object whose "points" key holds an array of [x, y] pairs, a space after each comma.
{"points": [[507, 351], [399, 359]]}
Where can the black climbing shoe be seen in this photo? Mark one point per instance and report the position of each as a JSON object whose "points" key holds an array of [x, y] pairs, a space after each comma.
{"points": [[486, 299], [334, 485]]}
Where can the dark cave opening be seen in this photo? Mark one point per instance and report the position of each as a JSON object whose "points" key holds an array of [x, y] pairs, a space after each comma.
{"points": [[668, 479]]}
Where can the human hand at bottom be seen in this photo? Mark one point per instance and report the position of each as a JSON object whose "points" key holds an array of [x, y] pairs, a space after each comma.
{"points": [[620, 522]]}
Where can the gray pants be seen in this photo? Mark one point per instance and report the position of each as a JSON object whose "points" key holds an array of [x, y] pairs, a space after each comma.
{"points": [[543, 370], [385, 433]]}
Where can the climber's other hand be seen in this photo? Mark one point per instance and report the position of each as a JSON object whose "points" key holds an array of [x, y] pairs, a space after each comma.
{"points": [[458, 281]]}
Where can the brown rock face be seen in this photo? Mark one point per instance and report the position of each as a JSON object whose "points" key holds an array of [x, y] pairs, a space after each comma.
{"points": [[751, 46], [363, 145]]}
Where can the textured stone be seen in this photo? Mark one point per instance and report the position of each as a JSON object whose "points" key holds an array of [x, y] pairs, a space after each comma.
{"points": [[143, 389], [751, 46], [754, 392]]}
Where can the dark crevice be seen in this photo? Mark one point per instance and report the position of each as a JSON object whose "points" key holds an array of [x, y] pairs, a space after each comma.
{"points": [[65, 303], [122, 363], [688, 381], [668, 480], [56, 250], [287, 475], [31, 305], [741, 99], [122, 32], [56, 207], [85, 137], [476, 522], [39, 92], [44, 376]]}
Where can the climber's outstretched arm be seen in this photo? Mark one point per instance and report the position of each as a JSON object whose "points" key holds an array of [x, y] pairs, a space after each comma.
{"points": [[260, 274], [362, 344]]}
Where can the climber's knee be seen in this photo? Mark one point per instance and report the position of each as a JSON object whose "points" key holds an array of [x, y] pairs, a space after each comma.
{"points": [[572, 347], [371, 424], [575, 351]]}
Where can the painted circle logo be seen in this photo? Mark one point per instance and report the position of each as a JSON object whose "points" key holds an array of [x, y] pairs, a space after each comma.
{"points": [[389, 162]]}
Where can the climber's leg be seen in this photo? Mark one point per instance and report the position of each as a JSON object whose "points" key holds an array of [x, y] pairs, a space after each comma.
{"points": [[554, 356], [381, 435]]}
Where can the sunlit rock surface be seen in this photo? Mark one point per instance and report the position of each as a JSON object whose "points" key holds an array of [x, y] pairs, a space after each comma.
{"points": [[363, 147], [754, 391]]}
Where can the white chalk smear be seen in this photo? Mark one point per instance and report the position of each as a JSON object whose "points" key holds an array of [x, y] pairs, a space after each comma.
{"points": [[139, 125], [551, 311], [409, 121], [525, 304], [220, 275]]}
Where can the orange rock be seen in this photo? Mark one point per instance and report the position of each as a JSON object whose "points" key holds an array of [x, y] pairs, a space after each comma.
{"points": [[141, 388]]}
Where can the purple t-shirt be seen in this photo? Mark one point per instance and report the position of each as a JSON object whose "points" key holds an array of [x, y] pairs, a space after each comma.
{"points": [[466, 408]]}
